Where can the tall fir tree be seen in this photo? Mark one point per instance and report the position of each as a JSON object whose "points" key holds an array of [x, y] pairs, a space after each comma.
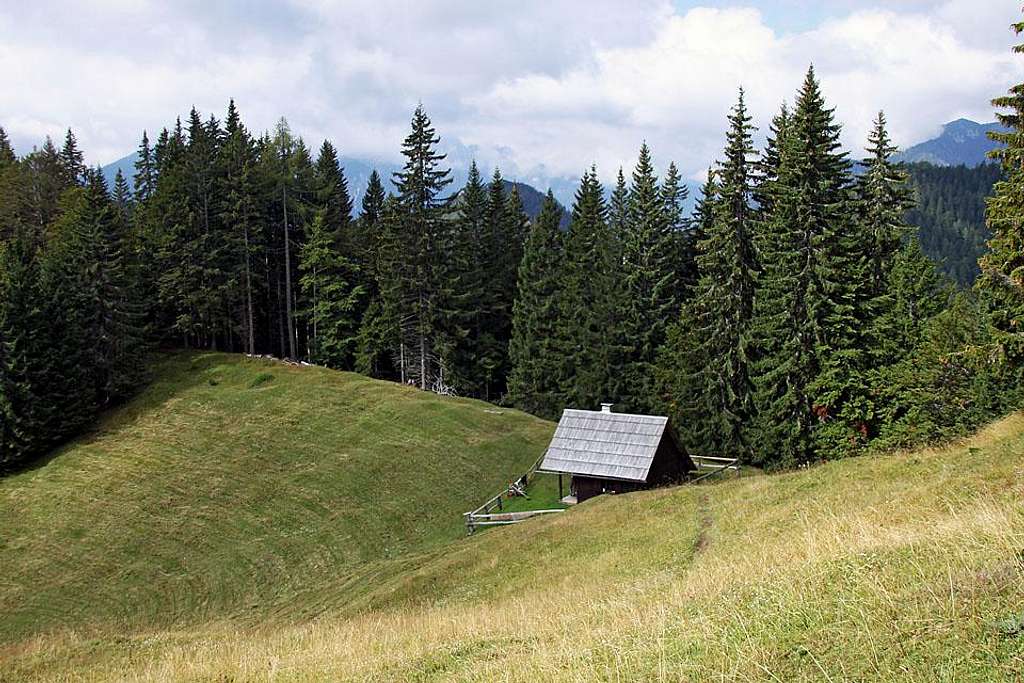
{"points": [[23, 426], [44, 180], [724, 298], [648, 267], [331, 284], [535, 383], [1002, 268], [811, 389], [122, 196], [590, 303], [371, 210], [116, 314], [888, 313], [618, 206], [72, 161], [884, 197], [145, 171], [835, 291], [239, 216], [424, 288], [495, 296], [674, 196], [475, 358], [7, 155], [332, 197]]}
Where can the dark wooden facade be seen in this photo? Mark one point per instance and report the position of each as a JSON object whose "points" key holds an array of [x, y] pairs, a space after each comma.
{"points": [[671, 465]]}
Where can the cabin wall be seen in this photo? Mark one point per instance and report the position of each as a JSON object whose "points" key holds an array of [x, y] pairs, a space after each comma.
{"points": [[588, 487], [670, 466]]}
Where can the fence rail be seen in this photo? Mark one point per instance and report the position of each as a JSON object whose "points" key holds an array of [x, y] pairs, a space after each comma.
{"points": [[708, 466], [485, 515]]}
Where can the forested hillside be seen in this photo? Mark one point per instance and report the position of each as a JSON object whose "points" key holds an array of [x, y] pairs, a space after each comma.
{"points": [[793, 317], [949, 213]]}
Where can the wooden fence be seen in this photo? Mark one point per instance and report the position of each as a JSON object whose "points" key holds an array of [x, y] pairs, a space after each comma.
{"points": [[708, 467], [485, 515]]}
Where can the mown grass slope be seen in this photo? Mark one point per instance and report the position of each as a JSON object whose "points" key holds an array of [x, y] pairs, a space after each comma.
{"points": [[236, 489], [906, 567]]}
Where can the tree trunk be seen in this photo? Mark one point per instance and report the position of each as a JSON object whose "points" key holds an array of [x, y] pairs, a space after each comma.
{"points": [[288, 276], [249, 323], [313, 347], [280, 319], [423, 362]]}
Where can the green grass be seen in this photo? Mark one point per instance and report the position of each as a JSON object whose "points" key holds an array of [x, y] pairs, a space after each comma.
{"points": [[903, 567], [235, 488], [542, 495]]}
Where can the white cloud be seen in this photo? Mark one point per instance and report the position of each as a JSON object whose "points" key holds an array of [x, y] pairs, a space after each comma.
{"points": [[676, 90], [543, 88]]}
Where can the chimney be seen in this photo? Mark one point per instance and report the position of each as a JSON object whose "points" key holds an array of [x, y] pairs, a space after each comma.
{"points": [[606, 407]]}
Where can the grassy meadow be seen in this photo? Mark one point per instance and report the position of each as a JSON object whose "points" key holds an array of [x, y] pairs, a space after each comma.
{"points": [[285, 555], [237, 489]]}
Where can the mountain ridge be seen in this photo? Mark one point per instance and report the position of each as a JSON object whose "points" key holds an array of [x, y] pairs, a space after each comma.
{"points": [[962, 142]]}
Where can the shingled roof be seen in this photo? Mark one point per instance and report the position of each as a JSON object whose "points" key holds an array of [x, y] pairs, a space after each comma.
{"points": [[605, 445]]}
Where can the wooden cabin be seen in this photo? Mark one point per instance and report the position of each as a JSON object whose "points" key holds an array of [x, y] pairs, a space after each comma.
{"points": [[607, 452]]}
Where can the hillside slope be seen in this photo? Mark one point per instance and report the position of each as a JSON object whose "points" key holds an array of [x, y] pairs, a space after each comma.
{"points": [[906, 567], [236, 488], [962, 142]]}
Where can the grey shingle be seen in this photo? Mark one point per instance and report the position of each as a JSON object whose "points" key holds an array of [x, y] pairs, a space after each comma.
{"points": [[604, 445]]}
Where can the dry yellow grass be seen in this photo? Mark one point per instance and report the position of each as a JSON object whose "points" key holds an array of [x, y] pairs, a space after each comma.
{"points": [[906, 567]]}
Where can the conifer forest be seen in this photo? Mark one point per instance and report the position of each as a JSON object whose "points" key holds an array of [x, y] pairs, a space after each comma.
{"points": [[793, 317]]}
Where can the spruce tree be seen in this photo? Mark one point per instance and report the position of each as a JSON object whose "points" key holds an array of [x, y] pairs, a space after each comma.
{"points": [[145, 171], [424, 287], [371, 210], [332, 197], [892, 303], [373, 347], [648, 267], [724, 297], [23, 428], [618, 206], [590, 303], [204, 246], [811, 388], [767, 167], [44, 179], [697, 232], [72, 161], [115, 322], [496, 297], [884, 198], [7, 155], [240, 218], [381, 346], [535, 354], [839, 391], [12, 189], [122, 196], [785, 365], [475, 358], [330, 281], [70, 287], [674, 195], [1002, 268]]}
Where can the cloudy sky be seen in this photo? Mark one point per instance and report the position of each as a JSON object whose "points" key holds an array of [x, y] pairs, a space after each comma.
{"points": [[541, 87]]}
